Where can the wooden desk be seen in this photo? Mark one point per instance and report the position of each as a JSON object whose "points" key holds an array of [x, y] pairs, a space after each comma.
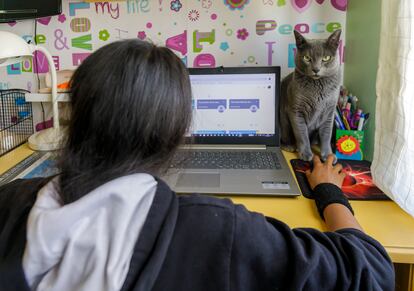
{"points": [[383, 220]]}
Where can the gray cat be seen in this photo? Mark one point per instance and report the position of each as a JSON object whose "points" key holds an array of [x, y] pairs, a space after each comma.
{"points": [[309, 96]]}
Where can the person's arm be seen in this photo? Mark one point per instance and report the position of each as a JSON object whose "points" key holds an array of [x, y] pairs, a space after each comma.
{"points": [[338, 216], [268, 255], [326, 180]]}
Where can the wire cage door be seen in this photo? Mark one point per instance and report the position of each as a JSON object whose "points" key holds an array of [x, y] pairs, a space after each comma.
{"points": [[16, 120]]}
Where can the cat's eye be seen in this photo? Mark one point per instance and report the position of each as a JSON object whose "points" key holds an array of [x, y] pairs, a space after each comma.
{"points": [[307, 58], [326, 58]]}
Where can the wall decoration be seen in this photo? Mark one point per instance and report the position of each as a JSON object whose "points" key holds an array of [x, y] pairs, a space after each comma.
{"points": [[236, 4], [301, 5], [62, 18], [340, 4], [193, 15], [178, 43], [79, 24], [176, 5], [44, 20], [242, 34], [202, 33], [104, 35], [281, 3], [142, 35], [265, 25], [206, 4], [60, 40], [224, 46]]}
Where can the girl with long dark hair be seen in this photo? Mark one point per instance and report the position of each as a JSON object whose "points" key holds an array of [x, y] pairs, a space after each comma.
{"points": [[107, 222]]}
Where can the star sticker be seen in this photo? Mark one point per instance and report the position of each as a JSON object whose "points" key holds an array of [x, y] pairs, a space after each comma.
{"points": [[224, 46], [62, 18]]}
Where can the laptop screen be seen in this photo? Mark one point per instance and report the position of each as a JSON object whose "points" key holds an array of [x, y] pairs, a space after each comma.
{"points": [[234, 105]]}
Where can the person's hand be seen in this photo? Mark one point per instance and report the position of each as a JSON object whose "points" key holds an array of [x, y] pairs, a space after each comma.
{"points": [[325, 172]]}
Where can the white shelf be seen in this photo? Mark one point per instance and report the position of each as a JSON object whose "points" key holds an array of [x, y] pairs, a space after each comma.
{"points": [[46, 97]]}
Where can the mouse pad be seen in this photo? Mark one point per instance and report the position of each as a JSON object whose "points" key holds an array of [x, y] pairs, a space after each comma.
{"points": [[358, 184]]}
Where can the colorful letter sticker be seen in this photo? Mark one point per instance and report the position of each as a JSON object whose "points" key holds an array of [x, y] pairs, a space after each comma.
{"points": [[13, 69], [78, 58], [199, 37], [82, 42], [204, 61], [265, 25], [270, 52], [80, 24], [178, 43], [77, 5], [27, 66], [40, 64]]}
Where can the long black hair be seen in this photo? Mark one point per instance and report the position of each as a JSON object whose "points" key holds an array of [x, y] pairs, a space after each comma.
{"points": [[131, 106]]}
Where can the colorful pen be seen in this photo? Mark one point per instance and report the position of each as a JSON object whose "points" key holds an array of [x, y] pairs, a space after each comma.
{"points": [[361, 122], [366, 117], [338, 120], [346, 113], [354, 100], [355, 119]]}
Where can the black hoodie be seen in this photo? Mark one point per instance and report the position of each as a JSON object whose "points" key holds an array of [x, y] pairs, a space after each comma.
{"points": [[197, 242]]}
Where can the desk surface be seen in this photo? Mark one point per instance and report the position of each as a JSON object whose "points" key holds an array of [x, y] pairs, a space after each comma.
{"points": [[384, 220]]}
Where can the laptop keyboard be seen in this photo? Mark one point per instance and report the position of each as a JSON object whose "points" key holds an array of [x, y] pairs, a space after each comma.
{"points": [[263, 160]]}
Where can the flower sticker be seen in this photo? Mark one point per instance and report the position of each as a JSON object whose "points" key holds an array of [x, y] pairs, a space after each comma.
{"points": [[104, 35], [142, 35], [236, 4], [62, 18], [242, 34], [176, 5]]}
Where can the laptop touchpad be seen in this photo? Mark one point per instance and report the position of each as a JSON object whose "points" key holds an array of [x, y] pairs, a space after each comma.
{"points": [[207, 180]]}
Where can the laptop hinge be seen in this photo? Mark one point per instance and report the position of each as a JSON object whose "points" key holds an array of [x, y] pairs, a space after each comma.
{"points": [[222, 147]]}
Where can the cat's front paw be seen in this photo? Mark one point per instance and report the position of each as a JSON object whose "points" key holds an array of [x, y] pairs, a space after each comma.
{"points": [[325, 156], [306, 156]]}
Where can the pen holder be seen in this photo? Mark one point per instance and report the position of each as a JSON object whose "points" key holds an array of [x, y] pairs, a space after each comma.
{"points": [[349, 144]]}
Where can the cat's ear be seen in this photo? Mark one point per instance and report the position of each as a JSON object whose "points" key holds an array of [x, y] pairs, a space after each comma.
{"points": [[300, 40], [333, 39]]}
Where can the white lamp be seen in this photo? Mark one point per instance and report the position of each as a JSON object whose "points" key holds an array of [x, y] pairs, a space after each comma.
{"points": [[14, 49]]}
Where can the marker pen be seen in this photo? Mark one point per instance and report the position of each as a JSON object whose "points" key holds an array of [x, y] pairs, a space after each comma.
{"points": [[338, 120], [346, 113], [355, 119], [354, 101], [361, 122]]}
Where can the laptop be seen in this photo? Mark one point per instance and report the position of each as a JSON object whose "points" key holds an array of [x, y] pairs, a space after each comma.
{"points": [[233, 144]]}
